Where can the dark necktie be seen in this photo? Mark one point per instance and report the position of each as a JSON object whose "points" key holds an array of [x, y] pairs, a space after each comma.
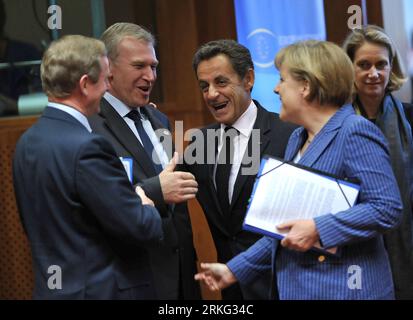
{"points": [[223, 169], [136, 116]]}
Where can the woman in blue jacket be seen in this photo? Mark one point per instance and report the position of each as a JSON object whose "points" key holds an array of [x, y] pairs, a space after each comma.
{"points": [[315, 85]]}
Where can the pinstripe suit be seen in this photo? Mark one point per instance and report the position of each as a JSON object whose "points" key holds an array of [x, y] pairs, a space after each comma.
{"points": [[347, 146]]}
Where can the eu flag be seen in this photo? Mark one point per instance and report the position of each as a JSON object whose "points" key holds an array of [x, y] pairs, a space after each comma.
{"points": [[265, 26]]}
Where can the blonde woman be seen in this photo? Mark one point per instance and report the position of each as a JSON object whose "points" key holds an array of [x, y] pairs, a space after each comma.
{"points": [[332, 138], [378, 73]]}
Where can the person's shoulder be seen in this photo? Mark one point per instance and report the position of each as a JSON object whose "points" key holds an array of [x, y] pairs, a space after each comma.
{"points": [[72, 133], [357, 127], [92, 144], [274, 119], [205, 134], [407, 106], [408, 110], [97, 139], [156, 113], [75, 136], [265, 113], [95, 120], [355, 122]]}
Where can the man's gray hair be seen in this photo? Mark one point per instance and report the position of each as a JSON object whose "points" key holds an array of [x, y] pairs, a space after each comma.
{"points": [[119, 31]]}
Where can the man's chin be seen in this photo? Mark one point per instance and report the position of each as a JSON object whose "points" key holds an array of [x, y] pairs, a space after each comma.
{"points": [[224, 120], [216, 117], [140, 102]]}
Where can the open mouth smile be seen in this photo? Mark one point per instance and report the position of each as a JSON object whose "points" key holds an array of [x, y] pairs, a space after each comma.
{"points": [[220, 106], [145, 89]]}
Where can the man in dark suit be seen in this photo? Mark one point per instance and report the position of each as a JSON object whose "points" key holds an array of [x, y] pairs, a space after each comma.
{"points": [[87, 227], [225, 73], [136, 129]]}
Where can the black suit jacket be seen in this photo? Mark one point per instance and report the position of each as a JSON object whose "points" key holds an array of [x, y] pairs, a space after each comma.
{"points": [[226, 228], [173, 262], [81, 214], [408, 109]]}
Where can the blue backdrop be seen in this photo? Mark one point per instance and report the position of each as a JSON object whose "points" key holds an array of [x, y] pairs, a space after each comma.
{"points": [[265, 26]]}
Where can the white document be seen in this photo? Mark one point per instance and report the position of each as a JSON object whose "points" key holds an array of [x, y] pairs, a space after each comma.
{"points": [[285, 192]]}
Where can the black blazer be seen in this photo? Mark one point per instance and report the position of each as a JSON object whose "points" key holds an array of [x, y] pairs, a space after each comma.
{"points": [[173, 263], [226, 228], [81, 214]]}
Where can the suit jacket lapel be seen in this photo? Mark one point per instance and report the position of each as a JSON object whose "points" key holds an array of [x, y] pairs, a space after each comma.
{"points": [[321, 141], [160, 130], [294, 144], [126, 137], [261, 124]]}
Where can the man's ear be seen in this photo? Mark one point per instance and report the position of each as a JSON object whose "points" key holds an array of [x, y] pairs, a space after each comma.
{"points": [[249, 79], [110, 73], [84, 84]]}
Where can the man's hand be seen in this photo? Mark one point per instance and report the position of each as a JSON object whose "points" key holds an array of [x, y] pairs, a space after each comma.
{"points": [[177, 186], [145, 200], [216, 276], [303, 234]]}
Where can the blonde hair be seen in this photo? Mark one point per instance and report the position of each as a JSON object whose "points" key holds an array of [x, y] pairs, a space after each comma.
{"points": [[376, 35], [324, 65], [67, 60], [119, 31]]}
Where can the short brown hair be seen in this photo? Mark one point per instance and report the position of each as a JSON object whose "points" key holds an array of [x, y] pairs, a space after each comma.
{"points": [[324, 65], [119, 31], [376, 35], [67, 60]]}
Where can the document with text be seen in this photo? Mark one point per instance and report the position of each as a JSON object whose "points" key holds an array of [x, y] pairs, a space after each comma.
{"points": [[285, 191]]}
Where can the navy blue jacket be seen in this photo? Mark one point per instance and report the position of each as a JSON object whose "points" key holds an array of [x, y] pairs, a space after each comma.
{"points": [[81, 213]]}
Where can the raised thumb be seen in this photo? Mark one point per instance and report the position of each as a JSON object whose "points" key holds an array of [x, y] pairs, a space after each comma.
{"points": [[172, 164]]}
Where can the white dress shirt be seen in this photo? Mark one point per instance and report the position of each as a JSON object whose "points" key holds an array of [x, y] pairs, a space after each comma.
{"points": [[297, 157], [244, 125], [73, 112], [123, 110]]}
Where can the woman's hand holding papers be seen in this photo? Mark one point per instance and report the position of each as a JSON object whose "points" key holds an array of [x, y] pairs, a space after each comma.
{"points": [[303, 234]]}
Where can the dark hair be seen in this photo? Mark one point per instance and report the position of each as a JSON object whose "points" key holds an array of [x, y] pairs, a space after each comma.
{"points": [[238, 55]]}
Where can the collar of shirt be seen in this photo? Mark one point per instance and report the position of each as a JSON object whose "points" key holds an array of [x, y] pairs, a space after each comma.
{"points": [[245, 122], [244, 125], [73, 112], [117, 104], [122, 109]]}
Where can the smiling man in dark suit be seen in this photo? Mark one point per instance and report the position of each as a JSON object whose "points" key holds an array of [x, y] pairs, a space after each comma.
{"points": [[87, 227], [134, 128], [225, 73]]}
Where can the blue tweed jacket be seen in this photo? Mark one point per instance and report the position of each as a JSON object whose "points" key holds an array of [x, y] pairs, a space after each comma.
{"points": [[351, 147]]}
